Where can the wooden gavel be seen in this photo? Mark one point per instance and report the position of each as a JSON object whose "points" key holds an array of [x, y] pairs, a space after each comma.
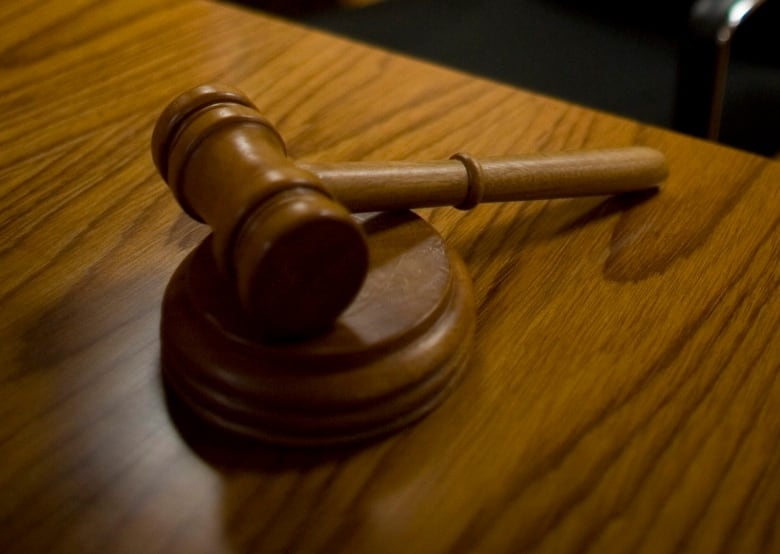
{"points": [[283, 231]]}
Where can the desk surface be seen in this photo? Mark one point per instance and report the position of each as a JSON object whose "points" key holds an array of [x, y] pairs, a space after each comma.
{"points": [[624, 391]]}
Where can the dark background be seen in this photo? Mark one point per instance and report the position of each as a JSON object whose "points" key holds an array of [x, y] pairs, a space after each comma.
{"points": [[619, 57]]}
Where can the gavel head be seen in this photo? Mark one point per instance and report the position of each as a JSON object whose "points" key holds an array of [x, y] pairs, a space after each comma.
{"points": [[294, 255]]}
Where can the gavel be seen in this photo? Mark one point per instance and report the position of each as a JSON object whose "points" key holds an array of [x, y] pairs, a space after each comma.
{"points": [[283, 233]]}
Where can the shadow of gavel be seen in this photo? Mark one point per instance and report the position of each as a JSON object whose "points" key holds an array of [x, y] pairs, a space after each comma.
{"points": [[282, 231]]}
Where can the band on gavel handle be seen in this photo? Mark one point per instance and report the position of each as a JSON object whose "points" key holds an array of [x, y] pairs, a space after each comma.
{"points": [[464, 182]]}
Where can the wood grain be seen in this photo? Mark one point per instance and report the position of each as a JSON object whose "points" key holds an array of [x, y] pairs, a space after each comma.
{"points": [[624, 388]]}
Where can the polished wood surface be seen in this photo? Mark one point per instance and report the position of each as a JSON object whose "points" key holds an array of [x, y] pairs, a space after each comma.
{"points": [[622, 397]]}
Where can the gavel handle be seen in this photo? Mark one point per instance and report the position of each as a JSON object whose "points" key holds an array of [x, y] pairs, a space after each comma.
{"points": [[465, 182]]}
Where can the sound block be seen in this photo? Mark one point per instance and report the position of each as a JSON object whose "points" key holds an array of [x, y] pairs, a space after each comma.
{"points": [[389, 359]]}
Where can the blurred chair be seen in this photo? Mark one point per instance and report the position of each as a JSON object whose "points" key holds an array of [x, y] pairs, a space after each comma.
{"points": [[703, 66], [664, 62]]}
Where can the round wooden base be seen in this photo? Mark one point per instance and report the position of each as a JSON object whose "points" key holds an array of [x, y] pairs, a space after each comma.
{"points": [[391, 357]]}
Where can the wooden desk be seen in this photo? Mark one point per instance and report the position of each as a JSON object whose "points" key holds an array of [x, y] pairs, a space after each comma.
{"points": [[624, 394]]}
